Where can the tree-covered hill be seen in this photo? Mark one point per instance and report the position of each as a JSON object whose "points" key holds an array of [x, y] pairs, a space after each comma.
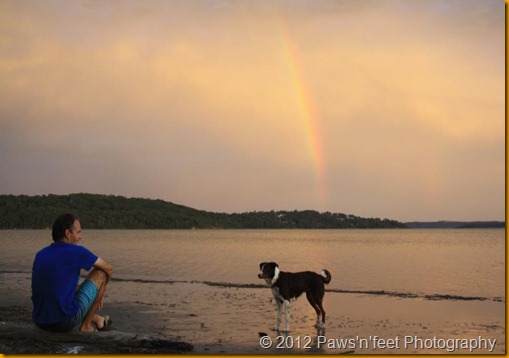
{"points": [[117, 212]]}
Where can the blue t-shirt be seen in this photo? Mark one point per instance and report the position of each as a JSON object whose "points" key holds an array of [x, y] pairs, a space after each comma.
{"points": [[55, 277]]}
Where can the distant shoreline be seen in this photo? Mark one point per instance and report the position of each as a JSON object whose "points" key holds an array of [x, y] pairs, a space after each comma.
{"points": [[501, 226], [98, 211], [456, 225]]}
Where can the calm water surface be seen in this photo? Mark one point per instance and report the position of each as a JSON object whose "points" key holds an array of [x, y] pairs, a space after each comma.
{"points": [[447, 262]]}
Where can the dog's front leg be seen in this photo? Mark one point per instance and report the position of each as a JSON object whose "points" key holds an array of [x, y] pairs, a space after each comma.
{"points": [[278, 318], [287, 316]]}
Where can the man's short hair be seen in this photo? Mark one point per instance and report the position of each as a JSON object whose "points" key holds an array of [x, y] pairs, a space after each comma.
{"points": [[62, 223]]}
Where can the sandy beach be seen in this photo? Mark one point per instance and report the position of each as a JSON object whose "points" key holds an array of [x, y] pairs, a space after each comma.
{"points": [[199, 318]]}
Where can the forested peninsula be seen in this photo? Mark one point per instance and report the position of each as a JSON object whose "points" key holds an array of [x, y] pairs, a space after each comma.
{"points": [[117, 212]]}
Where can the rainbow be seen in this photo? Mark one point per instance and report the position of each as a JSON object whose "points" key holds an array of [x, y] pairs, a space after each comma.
{"points": [[306, 105]]}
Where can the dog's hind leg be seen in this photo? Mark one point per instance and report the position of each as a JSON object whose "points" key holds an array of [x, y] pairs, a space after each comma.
{"points": [[312, 301], [319, 303], [319, 300]]}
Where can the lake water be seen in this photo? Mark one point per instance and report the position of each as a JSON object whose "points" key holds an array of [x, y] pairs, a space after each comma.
{"points": [[467, 263]]}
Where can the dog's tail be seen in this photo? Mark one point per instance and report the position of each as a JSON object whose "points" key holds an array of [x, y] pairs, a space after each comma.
{"points": [[326, 276]]}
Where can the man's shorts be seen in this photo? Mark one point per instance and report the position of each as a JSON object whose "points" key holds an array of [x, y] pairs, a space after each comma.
{"points": [[85, 296]]}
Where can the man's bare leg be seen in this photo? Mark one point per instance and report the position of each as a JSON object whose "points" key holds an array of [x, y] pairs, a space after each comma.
{"points": [[100, 280]]}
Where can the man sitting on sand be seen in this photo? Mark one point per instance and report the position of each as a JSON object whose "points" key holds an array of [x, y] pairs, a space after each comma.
{"points": [[59, 303]]}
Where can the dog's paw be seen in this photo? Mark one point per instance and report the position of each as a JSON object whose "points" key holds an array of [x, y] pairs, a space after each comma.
{"points": [[275, 328]]}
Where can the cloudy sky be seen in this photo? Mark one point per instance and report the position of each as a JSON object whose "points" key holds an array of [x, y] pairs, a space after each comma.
{"points": [[391, 109]]}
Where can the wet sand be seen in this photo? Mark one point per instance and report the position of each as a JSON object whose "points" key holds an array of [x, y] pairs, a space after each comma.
{"points": [[200, 318]]}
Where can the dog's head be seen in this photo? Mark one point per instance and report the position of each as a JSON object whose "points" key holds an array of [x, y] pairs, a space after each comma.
{"points": [[268, 270]]}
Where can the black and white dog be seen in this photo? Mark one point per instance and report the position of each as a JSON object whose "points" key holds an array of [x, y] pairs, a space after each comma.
{"points": [[288, 286]]}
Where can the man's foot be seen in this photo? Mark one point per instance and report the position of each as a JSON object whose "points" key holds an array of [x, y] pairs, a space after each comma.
{"points": [[102, 323], [89, 328]]}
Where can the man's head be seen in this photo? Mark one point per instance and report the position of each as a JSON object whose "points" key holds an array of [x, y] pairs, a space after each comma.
{"points": [[67, 228]]}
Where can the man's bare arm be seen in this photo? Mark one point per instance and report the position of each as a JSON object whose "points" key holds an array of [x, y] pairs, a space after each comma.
{"points": [[104, 266]]}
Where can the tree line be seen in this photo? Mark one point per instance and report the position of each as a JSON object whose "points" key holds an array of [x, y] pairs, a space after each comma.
{"points": [[118, 212]]}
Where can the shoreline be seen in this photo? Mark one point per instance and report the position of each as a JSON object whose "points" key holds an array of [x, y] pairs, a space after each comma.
{"points": [[431, 297]]}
